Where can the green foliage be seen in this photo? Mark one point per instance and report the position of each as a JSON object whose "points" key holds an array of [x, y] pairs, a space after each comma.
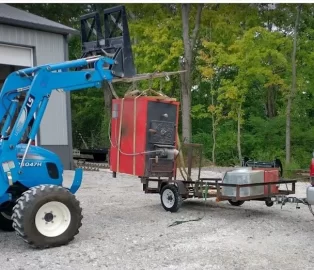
{"points": [[87, 115], [157, 43], [226, 144]]}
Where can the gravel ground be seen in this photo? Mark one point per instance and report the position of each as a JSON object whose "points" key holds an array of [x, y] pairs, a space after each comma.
{"points": [[123, 228]]}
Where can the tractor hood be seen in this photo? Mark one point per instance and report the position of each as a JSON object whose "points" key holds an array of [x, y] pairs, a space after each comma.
{"points": [[35, 152], [38, 154]]}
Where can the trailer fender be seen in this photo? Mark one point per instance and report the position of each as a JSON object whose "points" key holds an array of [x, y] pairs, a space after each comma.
{"points": [[181, 187], [179, 184]]}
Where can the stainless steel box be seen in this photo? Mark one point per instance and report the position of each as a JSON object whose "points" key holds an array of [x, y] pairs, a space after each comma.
{"points": [[310, 195], [243, 176]]}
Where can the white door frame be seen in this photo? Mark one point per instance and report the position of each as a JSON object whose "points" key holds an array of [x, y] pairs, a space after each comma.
{"points": [[7, 60]]}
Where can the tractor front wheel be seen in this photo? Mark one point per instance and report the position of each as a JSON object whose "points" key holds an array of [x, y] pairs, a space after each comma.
{"points": [[47, 216]]}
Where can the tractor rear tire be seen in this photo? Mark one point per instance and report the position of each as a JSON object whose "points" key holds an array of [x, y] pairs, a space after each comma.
{"points": [[6, 223], [47, 216]]}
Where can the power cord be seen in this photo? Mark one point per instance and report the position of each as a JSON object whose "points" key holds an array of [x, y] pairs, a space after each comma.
{"points": [[204, 195]]}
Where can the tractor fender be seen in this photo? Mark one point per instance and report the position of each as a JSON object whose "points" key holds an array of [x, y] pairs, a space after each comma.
{"points": [[77, 181]]}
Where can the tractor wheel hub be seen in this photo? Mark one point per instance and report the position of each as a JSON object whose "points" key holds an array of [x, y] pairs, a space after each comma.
{"points": [[53, 219], [49, 217]]}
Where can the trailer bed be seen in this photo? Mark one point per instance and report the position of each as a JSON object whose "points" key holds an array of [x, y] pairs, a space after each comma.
{"points": [[205, 188]]}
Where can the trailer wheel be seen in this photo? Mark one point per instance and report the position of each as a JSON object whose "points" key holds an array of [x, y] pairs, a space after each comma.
{"points": [[236, 203], [47, 216], [6, 223], [171, 200], [269, 203]]}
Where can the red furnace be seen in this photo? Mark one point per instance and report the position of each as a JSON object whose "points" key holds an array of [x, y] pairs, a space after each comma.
{"points": [[144, 136]]}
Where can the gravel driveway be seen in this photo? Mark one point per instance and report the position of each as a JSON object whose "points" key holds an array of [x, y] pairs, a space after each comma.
{"points": [[123, 228]]}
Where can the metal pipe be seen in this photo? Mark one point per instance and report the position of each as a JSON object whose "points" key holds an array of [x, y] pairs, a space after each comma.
{"points": [[92, 60], [63, 65], [9, 118], [39, 116], [27, 71], [92, 56], [66, 65], [25, 153], [78, 63]]}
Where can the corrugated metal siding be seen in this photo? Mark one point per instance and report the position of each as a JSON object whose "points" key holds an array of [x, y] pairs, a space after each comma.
{"points": [[48, 48]]}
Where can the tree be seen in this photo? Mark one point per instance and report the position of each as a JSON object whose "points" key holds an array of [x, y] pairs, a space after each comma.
{"points": [[208, 65], [189, 41], [293, 86], [157, 43]]}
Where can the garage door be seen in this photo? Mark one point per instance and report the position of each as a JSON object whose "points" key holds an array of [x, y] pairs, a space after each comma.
{"points": [[17, 56]]}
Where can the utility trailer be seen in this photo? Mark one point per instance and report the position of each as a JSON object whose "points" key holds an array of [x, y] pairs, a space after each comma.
{"points": [[174, 191], [145, 143]]}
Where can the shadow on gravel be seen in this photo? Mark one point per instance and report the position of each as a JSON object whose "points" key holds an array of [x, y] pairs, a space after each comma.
{"points": [[209, 206], [9, 241], [229, 212], [223, 209]]}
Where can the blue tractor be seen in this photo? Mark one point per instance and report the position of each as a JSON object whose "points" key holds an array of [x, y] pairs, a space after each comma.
{"points": [[33, 201]]}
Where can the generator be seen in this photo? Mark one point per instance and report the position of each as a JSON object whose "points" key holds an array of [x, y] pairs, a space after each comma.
{"points": [[143, 136]]}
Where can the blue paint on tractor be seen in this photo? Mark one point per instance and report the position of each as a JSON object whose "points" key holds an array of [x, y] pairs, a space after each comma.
{"points": [[36, 164]]}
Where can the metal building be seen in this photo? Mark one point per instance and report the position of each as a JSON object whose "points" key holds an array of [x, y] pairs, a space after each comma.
{"points": [[28, 40]]}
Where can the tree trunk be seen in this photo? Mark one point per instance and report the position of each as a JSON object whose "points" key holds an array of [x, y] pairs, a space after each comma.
{"points": [[186, 64], [271, 102], [186, 108], [214, 124], [239, 135], [293, 87], [107, 98], [214, 134]]}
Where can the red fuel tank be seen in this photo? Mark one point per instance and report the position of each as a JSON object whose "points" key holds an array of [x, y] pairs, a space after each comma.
{"points": [[270, 175], [144, 136], [312, 172]]}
